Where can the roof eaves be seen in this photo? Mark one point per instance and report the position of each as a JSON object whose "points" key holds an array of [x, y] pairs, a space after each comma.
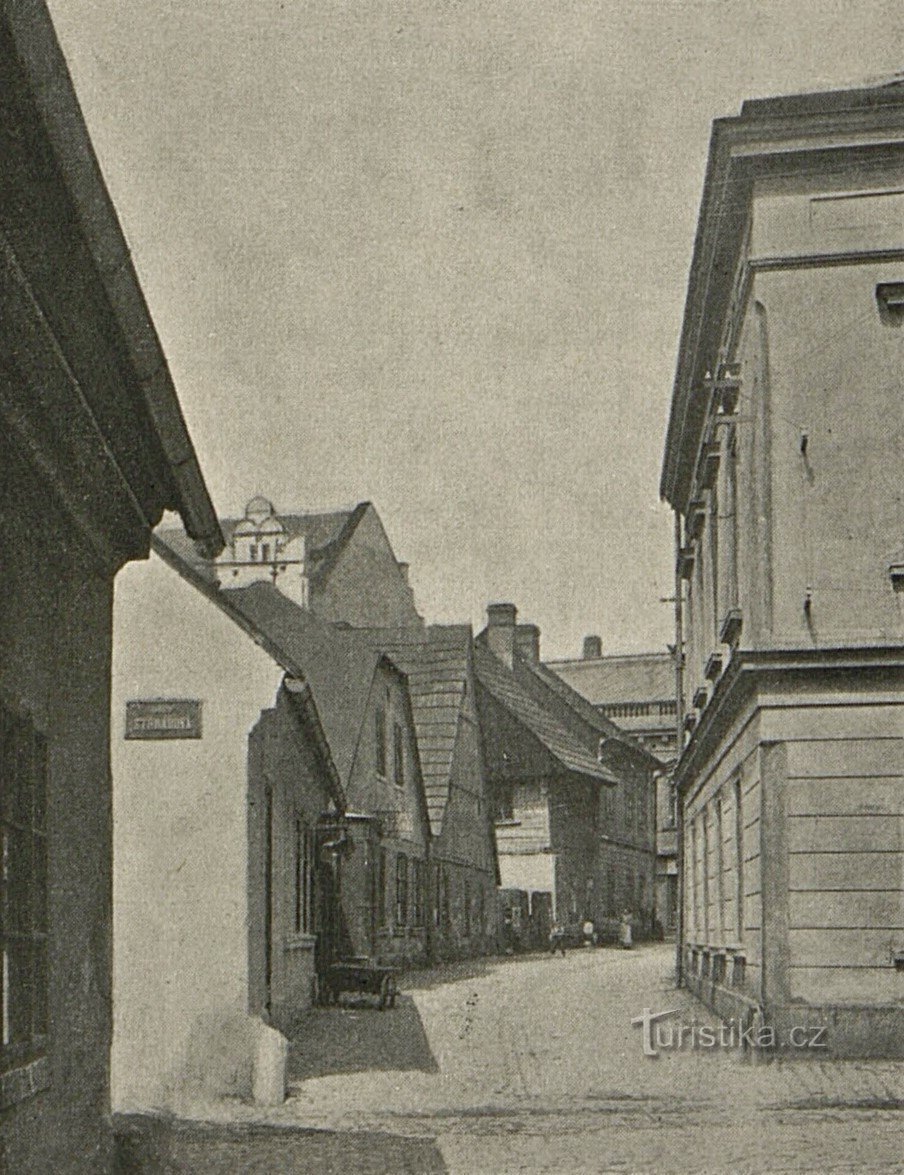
{"points": [[291, 667], [41, 59], [542, 725]]}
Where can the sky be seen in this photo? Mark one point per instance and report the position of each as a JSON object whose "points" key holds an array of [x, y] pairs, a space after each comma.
{"points": [[434, 254]]}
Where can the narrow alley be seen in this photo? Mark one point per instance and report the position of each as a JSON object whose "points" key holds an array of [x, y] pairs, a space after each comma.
{"points": [[533, 1064]]}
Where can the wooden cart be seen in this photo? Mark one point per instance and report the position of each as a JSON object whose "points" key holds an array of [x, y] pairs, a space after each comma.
{"points": [[362, 977]]}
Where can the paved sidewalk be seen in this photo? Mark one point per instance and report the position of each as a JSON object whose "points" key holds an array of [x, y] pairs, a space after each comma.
{"points": [[532, 1064]]}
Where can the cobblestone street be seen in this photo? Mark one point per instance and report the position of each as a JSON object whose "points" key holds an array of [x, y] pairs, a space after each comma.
{"points": [[532, 1064]]}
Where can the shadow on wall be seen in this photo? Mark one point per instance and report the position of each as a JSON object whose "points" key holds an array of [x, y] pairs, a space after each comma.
{"points": [[359, 1038]]}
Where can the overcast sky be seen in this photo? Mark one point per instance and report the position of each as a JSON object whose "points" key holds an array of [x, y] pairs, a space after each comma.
{"points": [[434, 254]]}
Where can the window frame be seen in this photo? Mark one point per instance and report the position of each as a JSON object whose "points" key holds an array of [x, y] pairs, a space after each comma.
{"points": [[402, 901], [304, 914], [398, 755], [23, 818], [381, 748]]}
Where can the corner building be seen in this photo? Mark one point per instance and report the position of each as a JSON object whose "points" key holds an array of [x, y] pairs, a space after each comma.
{"points": [[783, 460]]}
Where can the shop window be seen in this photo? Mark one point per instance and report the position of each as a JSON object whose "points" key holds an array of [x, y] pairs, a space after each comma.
{"points": [[23, 890]]}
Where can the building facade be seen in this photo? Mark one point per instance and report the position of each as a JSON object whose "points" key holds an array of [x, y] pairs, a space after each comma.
{"points": [[438, 662], [381, 842], [781, 458], [222, 784], [638, 692], [339, 564], [623, 818], [547, 786], [93, 449]]}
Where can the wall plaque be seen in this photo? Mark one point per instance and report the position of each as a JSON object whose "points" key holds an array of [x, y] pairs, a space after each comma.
{"points": [[163, 718]]}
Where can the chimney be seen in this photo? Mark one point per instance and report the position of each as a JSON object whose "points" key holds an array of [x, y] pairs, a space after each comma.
{"points": [[501, 623], [527, 643], [593, 648]]}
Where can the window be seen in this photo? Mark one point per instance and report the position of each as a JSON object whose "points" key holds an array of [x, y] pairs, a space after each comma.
{"points": [[445, 916], [398, 750], [265, 552], [607, 797], [691, 878], [417, 892], [719, 867], [401, 913], [23, 889], [466, 909], [304, 878], [504, 801], [380, 739], [381, 889], [739, 859], [252, 550]]}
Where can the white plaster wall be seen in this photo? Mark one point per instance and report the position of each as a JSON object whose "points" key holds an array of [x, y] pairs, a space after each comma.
{"points": [[180, 840]]}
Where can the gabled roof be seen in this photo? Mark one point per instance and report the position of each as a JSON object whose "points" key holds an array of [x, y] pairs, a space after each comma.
{"points": [[337, 664], [499, 681], [635, 677], [568, 696], [326, 535], [126, 412], [436, 661]]}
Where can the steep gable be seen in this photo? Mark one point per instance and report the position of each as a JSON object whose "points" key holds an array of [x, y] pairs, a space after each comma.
{"points": [[501, 684], [362, 583], [436, 661]]}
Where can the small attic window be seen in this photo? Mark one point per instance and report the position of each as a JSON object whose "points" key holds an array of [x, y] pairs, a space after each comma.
{"points": [[890, 297]]}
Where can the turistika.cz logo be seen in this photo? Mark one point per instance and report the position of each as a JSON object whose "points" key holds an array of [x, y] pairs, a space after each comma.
{"points": [[660, 1033]]}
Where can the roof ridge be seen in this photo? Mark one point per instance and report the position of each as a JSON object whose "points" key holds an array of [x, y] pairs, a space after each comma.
{"points": [[582, 761]]}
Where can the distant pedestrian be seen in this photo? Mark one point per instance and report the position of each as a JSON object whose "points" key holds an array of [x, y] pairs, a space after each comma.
{"points": [[557, 939], [589, 931], [625, 940]]}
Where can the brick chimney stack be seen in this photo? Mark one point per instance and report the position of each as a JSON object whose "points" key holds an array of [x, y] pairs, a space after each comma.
{"points": [[527, 643], [502, 620], [593, 648]]}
